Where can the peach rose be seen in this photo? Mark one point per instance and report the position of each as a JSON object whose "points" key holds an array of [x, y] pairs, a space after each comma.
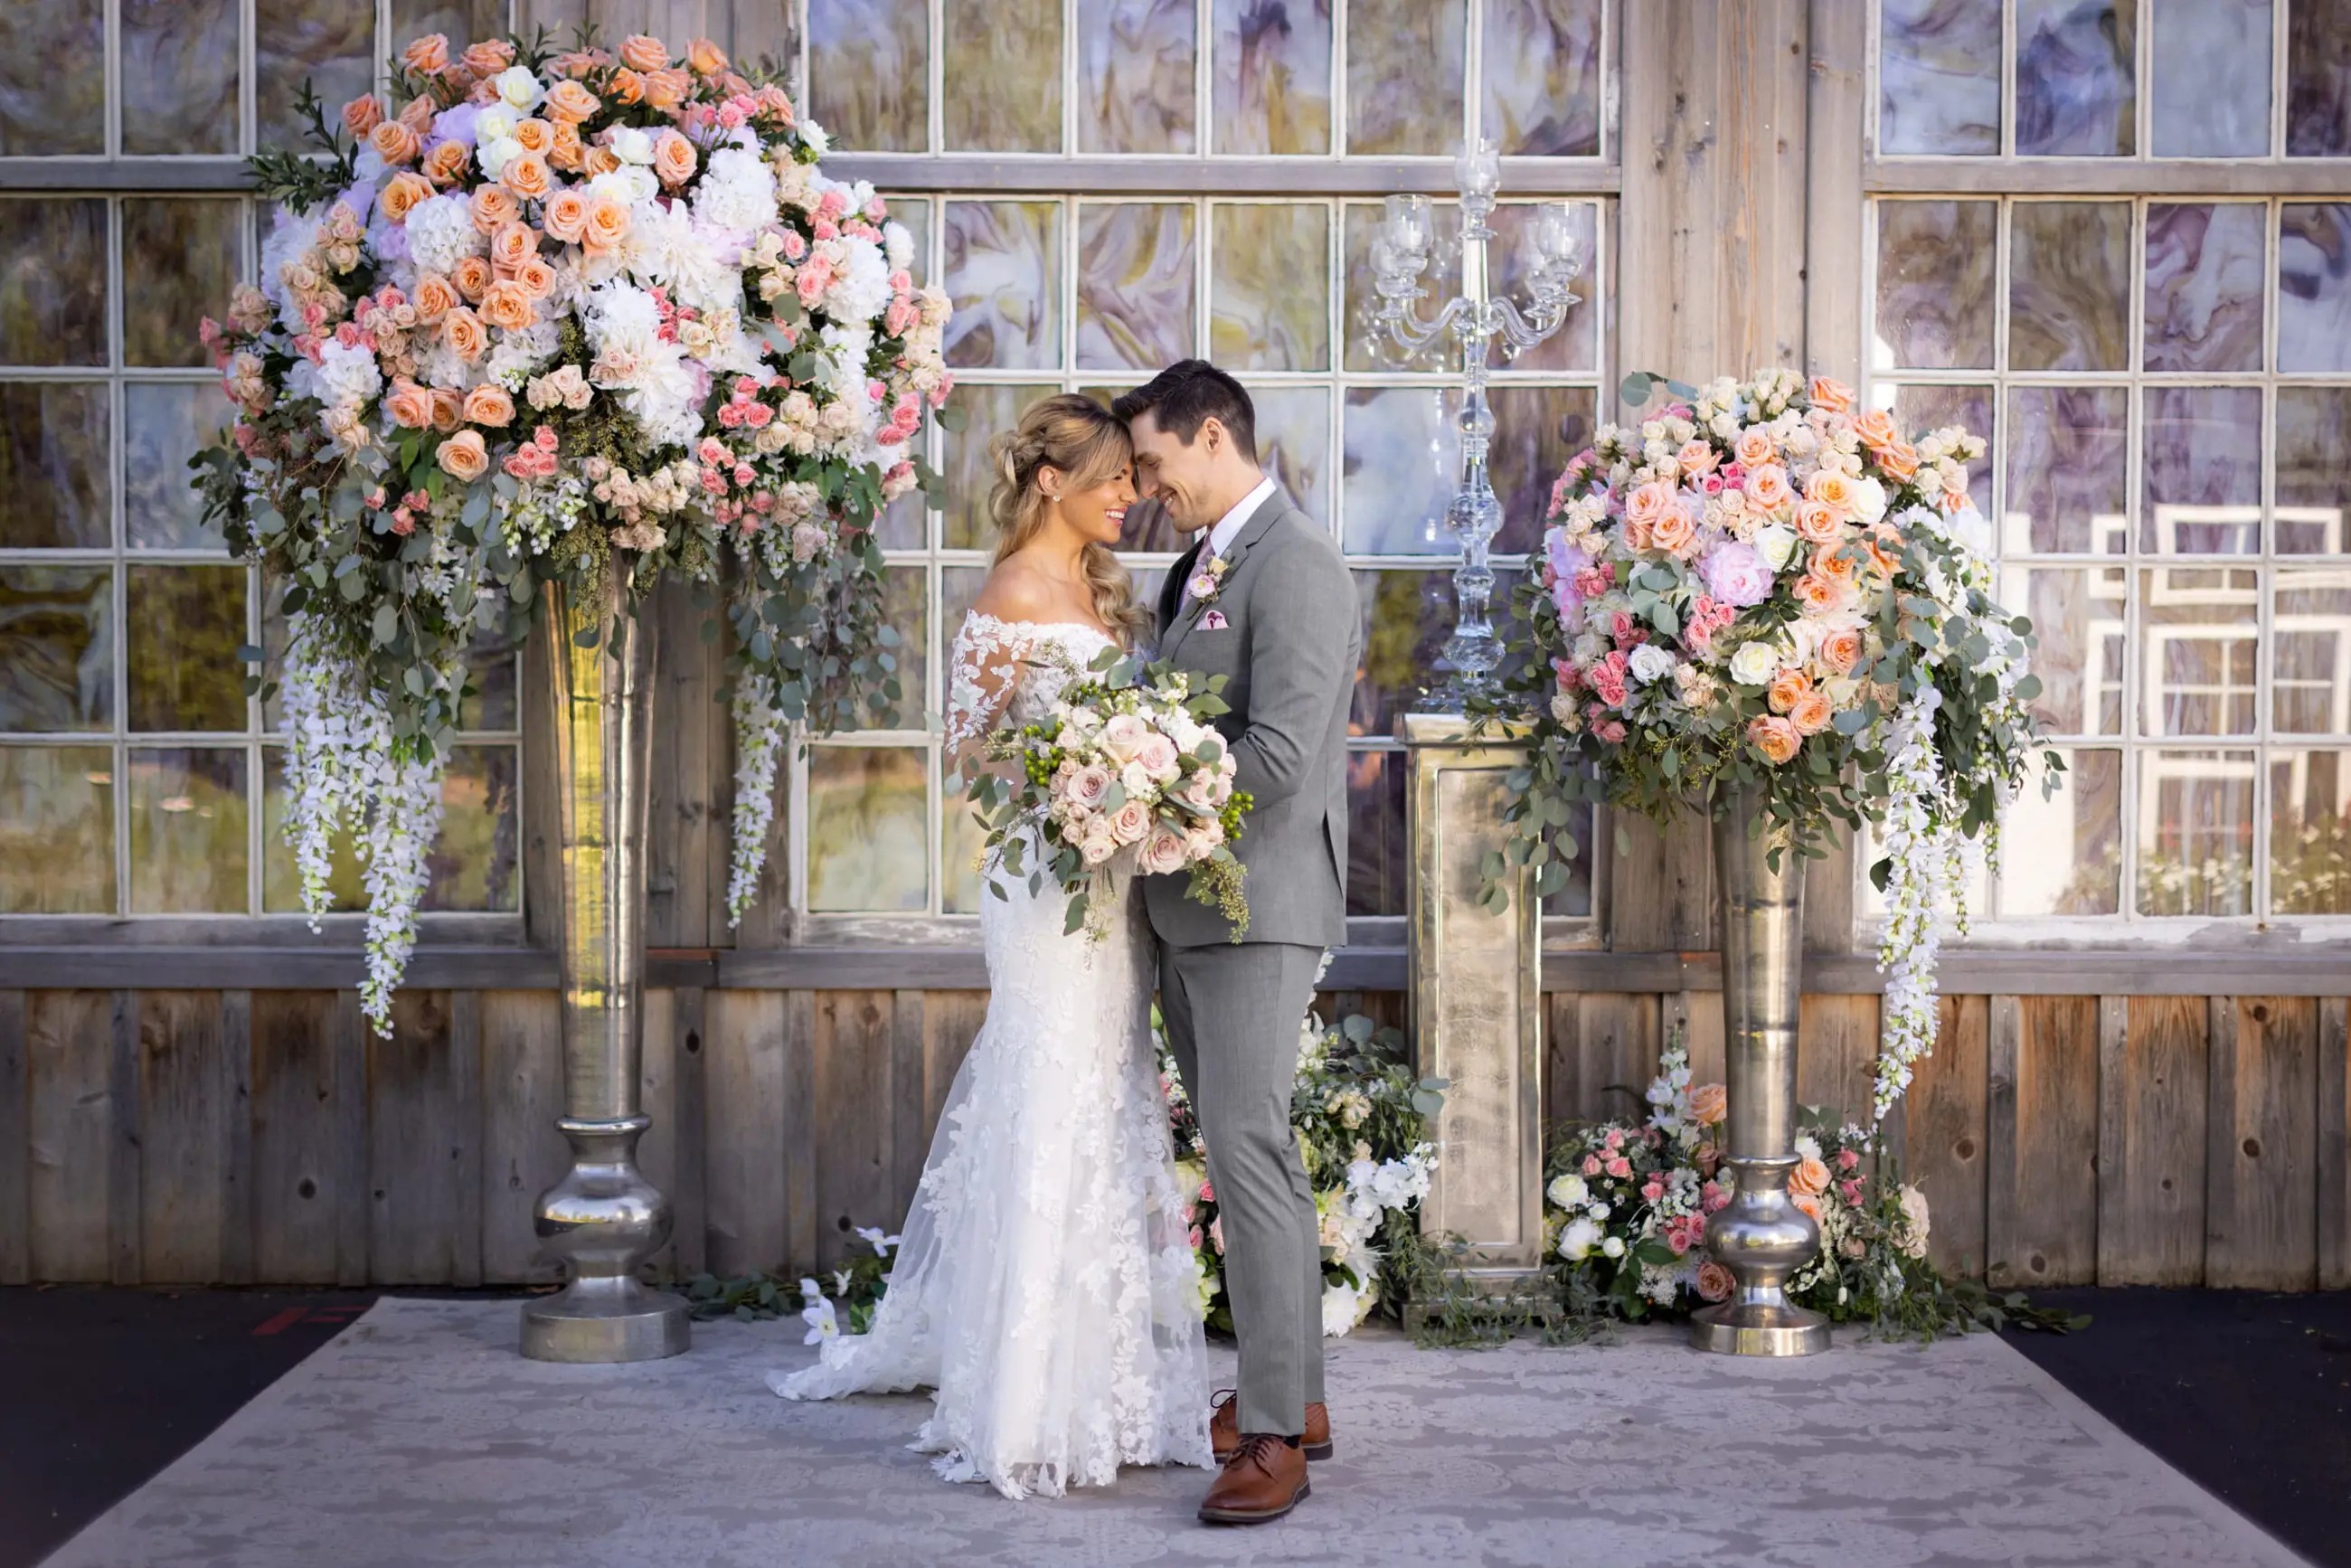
{"points": [[427, 54], [643, 52], [667, 90], [1820, 594], [463, 456], [489, 404], [1767, 487], [1899, 459], [566, 215], [627, 87], [393, 143], [463, 331], [1808, 1204], [1672, 532], [488, 57], [564, 150], [474, 277], [494, 207], [533, 135], [362, 115], [435, 298], [417, 114], [1785, 688], [1817, 522], [506, 306], [1830, 489], [444, 162], [673, 158], [409, 405], [1753, 448], [1697, 457], [1648, 502], [1776, 738], [528, 176], [598, 161], [608, 224], [568, 102], [1831, 396], [1811, 1178], [1875, 426], [402, 193], [1836, 563], [1708, 1105], [448, 409], [1840, 650], [535, 278], [704, 58], [1715, 1283], [1811, 714], [512, 245]]}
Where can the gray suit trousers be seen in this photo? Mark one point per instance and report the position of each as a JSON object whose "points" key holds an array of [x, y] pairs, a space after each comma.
{"points": [[1233, 1012]]}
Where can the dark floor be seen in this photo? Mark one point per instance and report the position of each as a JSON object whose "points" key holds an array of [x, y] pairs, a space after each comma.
{"points": [[100, 1389]]}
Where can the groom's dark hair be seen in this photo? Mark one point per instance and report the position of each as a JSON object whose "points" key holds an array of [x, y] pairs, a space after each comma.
{"points": [[1187, 392]]}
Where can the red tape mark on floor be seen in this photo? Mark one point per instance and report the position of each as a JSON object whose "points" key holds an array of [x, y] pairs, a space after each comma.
{"points": [[279, 1323]]}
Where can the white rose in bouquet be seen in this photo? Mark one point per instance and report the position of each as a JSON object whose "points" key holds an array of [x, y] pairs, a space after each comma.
{"points": [[1123, 736], [1754, 664]]}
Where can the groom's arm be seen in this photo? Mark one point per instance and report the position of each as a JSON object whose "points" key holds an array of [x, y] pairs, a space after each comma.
{"points": [[1300, 613]]}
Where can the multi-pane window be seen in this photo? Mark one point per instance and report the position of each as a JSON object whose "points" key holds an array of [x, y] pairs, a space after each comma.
{"points": [[136, 778], [1094, 289], [2165, 380]]}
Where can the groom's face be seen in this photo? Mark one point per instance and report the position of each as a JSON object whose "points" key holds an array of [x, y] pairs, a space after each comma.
{"points": [[1180, 475]]}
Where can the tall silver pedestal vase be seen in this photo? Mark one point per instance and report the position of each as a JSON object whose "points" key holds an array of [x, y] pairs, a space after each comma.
{"points": [[1761, 1236], [603, 1220]]}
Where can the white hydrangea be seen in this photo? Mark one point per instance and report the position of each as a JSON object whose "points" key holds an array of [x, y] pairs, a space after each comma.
{"points": [[664, 247], [345, 377], [441, 233], [897, 245], [860, 291], [737, 192]]}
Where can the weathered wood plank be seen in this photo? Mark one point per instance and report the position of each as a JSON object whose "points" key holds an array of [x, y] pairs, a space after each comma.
{"points": [[1944, 1134], [2044, 1216], [2003, 1046], [855, 1176], [463, 1139], [411, 1140], [2334, 1145], [1836, 1040], [657, 1097], [236, 1088], [689, 1129], [2261, 1227], [909, 1135], [353, 1203], [2152, 1145], [744, 1054], [542, 883], [15, 1143], [1618, 1046], [183, 1118], [123, 1230], [295, 1160], [951, 1021], [523, 1154], [678, 817], [1562, 1053], [68, 1063]]}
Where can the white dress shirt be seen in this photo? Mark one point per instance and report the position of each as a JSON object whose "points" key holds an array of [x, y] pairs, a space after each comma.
{"points": [[1229, 527]]}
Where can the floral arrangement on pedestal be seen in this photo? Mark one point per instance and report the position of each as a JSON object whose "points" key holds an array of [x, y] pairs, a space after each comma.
{"points": [[542, 316], [1763, 585]]}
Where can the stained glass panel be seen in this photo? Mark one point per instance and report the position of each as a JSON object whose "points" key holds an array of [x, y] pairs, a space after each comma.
{"points": [[53, 280], [56, 649], [55, 486], [1003, 262], [1137, 284], [1270, 76]]}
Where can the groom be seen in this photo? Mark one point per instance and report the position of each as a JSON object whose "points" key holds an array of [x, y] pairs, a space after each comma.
{"points": [[1263, 600]]}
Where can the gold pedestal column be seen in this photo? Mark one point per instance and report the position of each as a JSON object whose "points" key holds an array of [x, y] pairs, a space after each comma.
{"points": [[1476, 1007]]}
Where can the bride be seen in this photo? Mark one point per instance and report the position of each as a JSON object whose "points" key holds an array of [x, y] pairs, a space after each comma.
{"points": [[1044, 1288]]}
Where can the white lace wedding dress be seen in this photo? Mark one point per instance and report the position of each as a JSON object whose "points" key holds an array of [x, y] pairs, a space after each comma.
{"points": [[1044, 1285]]}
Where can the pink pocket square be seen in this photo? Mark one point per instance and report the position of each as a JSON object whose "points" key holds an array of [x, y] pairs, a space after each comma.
{"points": [[1214, 620]]}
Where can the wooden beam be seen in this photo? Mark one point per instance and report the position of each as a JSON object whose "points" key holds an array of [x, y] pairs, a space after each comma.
{"points": [[125, 1263], [2003, 1042], [2321, 177]]}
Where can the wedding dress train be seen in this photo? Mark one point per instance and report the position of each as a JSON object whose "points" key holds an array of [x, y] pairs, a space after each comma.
{"points": [[1044, 1285]]}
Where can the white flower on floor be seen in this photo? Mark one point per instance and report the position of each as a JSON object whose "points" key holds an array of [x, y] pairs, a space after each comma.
{"points": [[1342, 1308], [822, 1324], [872, 1236], [1578, 1238]]}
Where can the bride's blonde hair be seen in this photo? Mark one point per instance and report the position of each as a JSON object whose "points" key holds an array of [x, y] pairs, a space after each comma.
{"points": [[1087, 445]]}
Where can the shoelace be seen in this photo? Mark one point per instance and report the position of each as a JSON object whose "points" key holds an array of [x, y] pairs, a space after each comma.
{"points": [[1258, 1448]]}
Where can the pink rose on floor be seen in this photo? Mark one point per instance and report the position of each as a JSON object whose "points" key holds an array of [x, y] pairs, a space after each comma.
{"points": [[1592, 1165], [1852, 1191], [1195, 1238], [1216, 1234], [1714, 1197], [1163, 851], [1621, 1168], [1848, 1159], [1715, 1283], [1208, 1192], [1653, 1189]]}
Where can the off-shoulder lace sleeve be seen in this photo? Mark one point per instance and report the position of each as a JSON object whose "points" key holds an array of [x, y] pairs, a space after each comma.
{"points": [[984, 672]]}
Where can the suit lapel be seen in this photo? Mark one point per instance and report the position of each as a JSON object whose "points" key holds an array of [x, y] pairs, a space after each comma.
{"points": [[1269, 511], [1171, 591]]}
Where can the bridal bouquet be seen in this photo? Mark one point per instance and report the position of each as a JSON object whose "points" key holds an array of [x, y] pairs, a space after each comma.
{"points": [[1124, 777], [537, 316], [1764, 585]]}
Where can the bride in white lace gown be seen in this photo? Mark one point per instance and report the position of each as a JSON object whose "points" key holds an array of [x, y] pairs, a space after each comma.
{"points": [[1044, 1284]]}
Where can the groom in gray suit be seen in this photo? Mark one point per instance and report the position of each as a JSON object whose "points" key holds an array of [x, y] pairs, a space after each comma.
{"points": [[1263, 600]]}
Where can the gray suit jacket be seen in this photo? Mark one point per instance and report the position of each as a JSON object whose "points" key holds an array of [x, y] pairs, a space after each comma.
{"points": [[1289, 649]]}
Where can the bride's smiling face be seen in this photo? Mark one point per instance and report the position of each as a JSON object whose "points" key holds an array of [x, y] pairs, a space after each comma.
{"points": [[1098, 511]]}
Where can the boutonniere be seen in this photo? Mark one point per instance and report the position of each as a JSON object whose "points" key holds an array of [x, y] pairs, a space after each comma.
{"points": [[1206, 576]]}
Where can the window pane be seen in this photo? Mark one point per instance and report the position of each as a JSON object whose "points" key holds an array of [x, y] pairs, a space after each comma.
{"points": [[1398, 469], [2318, 78], [1135, 75], [1003, 74], [2310, 832], [1378, 854], [55, 485], [165, 423], [868, 829], [869, 73], [460, 21], [2310, 660], [2196, 832], [1575, 347], [988, 409], [179, 76], [57, 648], [1270, 74], [57, 830], [1542, 76], [1405, 75], [1136, 296], [2211, 78], [1293, 445], [1939, 75], [187, 830], [331, 43], [2203, 471], [2200, 630], [1004, 275], [904, 605], [2063, 854], [1269, 285], [1919, 409], [474, 863], [187, 623], [2076, 70], [1407, 615], [179, 261], [2068, 457], [1536, 431], [1368, 346], [53, 281], [2313, 470], [281, 887], [2204, 266], [495, 703], [2314, 287], [1935, 283], [2078, 613], [2069, 285], [53, 81]]}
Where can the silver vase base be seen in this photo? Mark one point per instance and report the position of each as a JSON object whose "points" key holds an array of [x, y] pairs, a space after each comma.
{"points": [[1759, 1328], [602, 1321]]}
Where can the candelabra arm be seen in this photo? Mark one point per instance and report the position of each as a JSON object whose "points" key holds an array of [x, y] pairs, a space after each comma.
{"points": [[1411, 333], [1523, 330]]}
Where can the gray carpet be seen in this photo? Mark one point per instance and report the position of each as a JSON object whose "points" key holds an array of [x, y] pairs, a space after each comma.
{"points": [[419, 1436]]}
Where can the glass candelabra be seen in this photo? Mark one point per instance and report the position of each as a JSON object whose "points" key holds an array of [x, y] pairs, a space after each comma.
{"points": [[1475, 317]]}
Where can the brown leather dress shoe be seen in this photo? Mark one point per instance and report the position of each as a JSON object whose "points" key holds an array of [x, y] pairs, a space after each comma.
{"points": [[1263, 1480], [1225, 1427]]}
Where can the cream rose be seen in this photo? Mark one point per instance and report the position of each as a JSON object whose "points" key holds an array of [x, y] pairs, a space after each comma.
{"points": [[1775, 542], [1130, 822], [1754, 664], [1123, 735]]}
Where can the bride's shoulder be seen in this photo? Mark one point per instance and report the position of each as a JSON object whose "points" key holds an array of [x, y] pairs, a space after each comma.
{"points": [[1012, 592]]}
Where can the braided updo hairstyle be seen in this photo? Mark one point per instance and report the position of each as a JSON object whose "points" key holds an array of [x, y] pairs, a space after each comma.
{"points": [[1082, 440]]}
